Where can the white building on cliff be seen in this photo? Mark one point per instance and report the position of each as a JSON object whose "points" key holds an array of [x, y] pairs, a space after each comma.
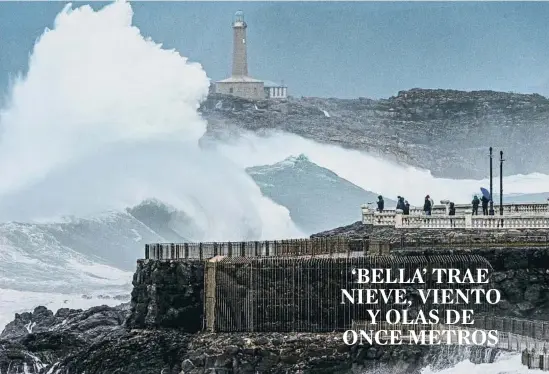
{"points": [[240, 83]]}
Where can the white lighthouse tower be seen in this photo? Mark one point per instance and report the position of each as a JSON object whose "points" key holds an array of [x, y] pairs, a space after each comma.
{"points": [[240, 84]]}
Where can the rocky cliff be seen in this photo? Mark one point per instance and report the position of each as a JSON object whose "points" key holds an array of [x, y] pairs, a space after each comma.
{"points": [[445, 131], [167, 294], [159, 332]]}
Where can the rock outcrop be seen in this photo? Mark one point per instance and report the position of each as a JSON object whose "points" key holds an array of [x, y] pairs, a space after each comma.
{"points": [[33, 342], [445, 131], [172, 351], [167, 294]]}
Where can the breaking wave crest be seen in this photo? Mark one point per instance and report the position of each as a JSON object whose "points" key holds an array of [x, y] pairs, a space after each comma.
{"points": [[370, 172], [106, 118]]}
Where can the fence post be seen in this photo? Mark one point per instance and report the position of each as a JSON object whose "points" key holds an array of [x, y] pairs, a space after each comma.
{"points": [[215, 249], [243, 249], [200, 253], [266, 247], [210, 288], [147, 252], [230, 249], [256, 249]]}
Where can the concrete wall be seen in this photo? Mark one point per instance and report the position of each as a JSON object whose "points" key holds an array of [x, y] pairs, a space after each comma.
{"points": [[247, 90]]}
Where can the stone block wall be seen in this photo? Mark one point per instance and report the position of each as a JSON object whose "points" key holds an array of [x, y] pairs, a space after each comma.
{"points": [[247, 90], [167, 294]]}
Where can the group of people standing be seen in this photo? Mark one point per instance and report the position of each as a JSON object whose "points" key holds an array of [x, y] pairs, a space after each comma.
{"points": [[476, 202], [403, 205], [429, 203]]}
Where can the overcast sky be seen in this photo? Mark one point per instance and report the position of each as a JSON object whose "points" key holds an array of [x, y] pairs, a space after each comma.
{"points": [[335, 49]]}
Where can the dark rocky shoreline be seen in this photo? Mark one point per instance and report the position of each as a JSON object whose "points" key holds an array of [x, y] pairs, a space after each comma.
{"points": [[94, 341], [160, 330]]}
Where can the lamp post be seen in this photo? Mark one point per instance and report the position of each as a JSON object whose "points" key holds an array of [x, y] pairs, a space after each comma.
{"points": [[491, 212], [501, 182]]}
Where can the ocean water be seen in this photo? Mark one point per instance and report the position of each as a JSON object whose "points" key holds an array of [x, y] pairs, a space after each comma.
{"points": [[106, 118], [508, 363]]}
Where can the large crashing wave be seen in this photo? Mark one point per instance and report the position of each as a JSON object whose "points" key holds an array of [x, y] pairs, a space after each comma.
{"points": [[105, 118], [370, 172]]}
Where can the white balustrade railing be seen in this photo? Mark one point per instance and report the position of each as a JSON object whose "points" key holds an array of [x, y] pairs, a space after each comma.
{"points": [[385, 219], [510, 222], [442, 209], [432, 222], [515, 216]]}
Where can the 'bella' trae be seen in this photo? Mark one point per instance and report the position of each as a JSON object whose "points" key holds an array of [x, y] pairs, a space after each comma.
{"points": [[389, 276]]}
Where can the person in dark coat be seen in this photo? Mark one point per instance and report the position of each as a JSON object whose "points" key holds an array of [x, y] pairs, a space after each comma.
{"points": [[452, 212], [475, 203], [380, 203], [400, 204], [406, 210], [485, 202], [427, 206]]}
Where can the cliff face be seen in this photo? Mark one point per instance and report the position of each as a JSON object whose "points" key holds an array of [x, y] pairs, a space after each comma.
{"points": [[167, 294], [445, 131]]}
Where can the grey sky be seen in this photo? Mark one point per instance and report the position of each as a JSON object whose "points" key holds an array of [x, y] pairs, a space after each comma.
{"points": [[338, 49]]}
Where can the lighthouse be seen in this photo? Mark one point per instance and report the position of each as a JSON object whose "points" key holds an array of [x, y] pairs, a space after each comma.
{"points": [[240, 83], [240, 56]]}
